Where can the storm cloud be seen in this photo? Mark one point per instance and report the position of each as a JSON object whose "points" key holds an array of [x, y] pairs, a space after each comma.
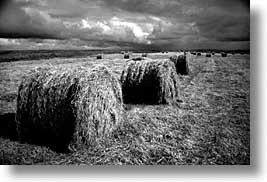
{"points": [[120, 24]]}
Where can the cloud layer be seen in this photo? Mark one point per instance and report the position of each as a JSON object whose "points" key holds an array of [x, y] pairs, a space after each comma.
{"points": [[121, 24]]}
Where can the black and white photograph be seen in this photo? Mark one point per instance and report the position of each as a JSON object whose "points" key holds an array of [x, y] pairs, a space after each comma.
{"points": [[125, 82]]}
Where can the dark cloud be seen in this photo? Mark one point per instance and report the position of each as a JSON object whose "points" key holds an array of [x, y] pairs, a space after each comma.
{"points": [[137, 24], [19, 21], [224, 28]]}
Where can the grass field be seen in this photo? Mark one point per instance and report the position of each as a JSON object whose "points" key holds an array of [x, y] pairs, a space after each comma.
{"points": [[210, 126]]}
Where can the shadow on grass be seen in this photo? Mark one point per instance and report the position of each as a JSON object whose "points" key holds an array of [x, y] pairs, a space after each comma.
{"points": [[8, 126]]}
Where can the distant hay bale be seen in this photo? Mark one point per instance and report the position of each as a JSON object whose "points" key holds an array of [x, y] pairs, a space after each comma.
{"points": [[150, 82], [208, 55], [99, 56], [137, 59], [126, 56], [68, 107], [144, 55], [199, 54], [224, 54], [213, 53], [181, 64]]}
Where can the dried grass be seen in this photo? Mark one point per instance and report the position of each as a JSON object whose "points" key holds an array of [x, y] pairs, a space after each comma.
{"points": [[68, 107], [150, 82]]}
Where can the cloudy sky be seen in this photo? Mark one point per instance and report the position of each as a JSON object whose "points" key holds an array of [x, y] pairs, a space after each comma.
{"points": [[124, 24]]}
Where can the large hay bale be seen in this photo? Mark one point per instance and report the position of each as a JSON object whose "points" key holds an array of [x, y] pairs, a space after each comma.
{"points": [[181, 64], [68, 108], [150, 82], [199, 54]]}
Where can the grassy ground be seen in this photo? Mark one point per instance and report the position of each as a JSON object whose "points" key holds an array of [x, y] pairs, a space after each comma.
{"points": [[210, 126]]}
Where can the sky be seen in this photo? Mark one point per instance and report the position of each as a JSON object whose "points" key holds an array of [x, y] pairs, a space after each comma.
{"points": [[125, 24]]}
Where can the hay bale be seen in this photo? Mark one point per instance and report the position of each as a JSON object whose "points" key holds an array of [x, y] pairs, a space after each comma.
{"points": [[99, 56], [224, 54], [126, 56], [213, 53], [68, 107], [144, 55], [199, 54], [208, 55], [181, 64], [149, 82], [137, 59]]}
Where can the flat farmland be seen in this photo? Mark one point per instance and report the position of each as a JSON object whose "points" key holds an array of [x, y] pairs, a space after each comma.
{"points": [[210, 126]]}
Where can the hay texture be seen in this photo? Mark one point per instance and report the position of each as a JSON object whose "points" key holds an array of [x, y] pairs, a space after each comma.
{"points": [[68, 108], [181, 64], [150, 82]]}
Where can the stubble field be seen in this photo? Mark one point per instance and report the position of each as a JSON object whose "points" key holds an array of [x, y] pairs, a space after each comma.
{"points": [[210, 126]]}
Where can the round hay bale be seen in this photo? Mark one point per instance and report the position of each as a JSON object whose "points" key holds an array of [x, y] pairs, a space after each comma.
{"points": [[68, 107], [144, 55], [181, 64], [126, 56], [213, 53], [199, 54], [149, 82], [208, 55], [224, 54], [99, 56], [137, 59]]}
